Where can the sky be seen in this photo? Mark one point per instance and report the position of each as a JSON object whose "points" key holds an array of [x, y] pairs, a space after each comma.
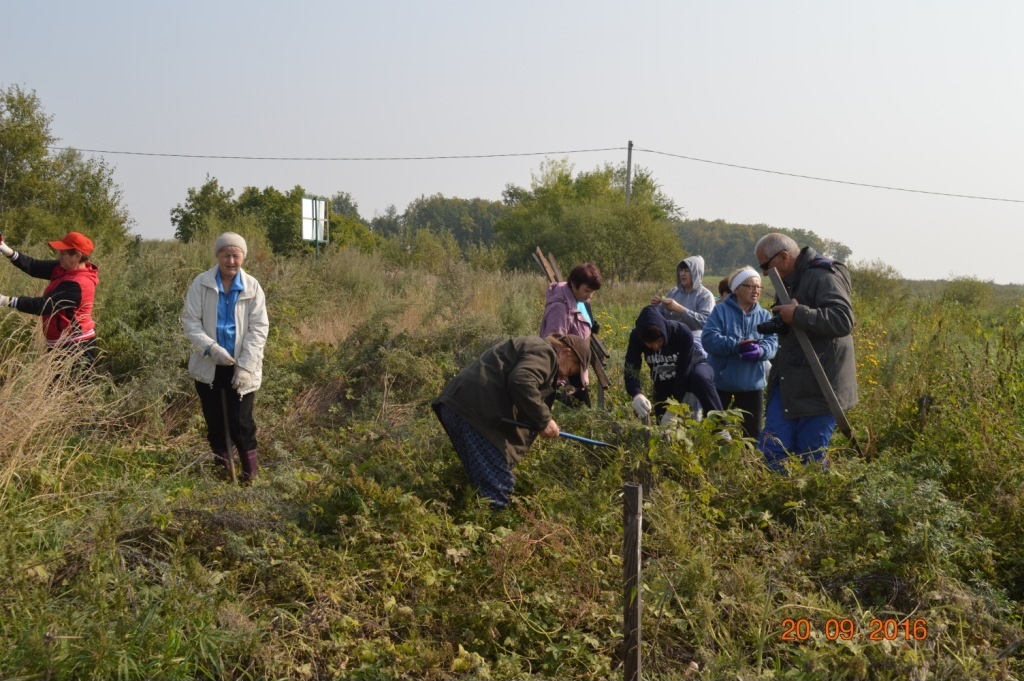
{"points": [[921, 95]]}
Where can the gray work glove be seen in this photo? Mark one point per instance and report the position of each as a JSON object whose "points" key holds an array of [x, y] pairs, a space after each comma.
{"points": [[220, 356], [641, 405], [243, 380]]}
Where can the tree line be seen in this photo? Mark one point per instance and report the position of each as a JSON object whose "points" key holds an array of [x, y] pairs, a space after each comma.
{"points": [[578, 216]]}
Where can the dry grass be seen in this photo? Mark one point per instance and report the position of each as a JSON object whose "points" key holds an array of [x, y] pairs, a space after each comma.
{"points": [[47, 403]]}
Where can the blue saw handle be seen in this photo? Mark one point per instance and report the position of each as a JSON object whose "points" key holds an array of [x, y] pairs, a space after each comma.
{"points": [[568, 436]]}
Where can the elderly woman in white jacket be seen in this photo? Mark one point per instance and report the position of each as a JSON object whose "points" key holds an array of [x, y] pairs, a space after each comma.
{"points": [[225, 321]]}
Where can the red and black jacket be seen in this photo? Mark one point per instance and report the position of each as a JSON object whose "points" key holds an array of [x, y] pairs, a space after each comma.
{"points": [[66, 303]]}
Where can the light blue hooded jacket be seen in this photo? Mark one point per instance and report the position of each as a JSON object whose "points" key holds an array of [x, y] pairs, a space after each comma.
{"points": [[727, 325]]}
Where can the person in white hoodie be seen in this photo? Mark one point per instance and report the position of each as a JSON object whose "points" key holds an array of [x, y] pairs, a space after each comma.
{"points": [[691, 303], [225, 321]]}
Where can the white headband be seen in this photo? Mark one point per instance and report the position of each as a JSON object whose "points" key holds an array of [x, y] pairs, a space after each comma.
{"points": [[741, 277]]}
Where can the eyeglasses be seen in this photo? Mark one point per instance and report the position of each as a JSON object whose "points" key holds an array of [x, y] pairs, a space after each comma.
{"points": [[752, 287], [766, 265]]}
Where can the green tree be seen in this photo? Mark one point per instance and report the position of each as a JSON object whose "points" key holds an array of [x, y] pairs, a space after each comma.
{"points": [[209, 201], [342, 204], [279, 213], [345, 230], [586, 218], [470, 221], [389, 225], [44, 194], [726, 246], [24, 138], [433, 252], [836, 250]]}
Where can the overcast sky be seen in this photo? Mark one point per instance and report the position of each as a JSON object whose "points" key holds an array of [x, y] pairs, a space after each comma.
{"points": [[923, 95]]}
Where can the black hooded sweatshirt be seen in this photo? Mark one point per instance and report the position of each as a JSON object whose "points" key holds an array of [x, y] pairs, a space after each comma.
{"points": [[671, 366]]}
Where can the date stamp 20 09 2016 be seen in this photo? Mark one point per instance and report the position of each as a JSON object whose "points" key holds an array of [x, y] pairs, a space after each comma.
{"points": [[845, 629]]}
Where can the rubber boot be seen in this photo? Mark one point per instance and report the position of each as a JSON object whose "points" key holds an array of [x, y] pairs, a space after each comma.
{"points": [[249, 464]]}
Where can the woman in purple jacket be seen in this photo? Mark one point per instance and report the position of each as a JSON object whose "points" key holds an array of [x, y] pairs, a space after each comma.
{"points": [[567, 311]]}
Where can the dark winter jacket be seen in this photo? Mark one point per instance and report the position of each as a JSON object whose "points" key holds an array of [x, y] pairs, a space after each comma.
{"points": [[670, 366], [824, 310], [513, 380]]}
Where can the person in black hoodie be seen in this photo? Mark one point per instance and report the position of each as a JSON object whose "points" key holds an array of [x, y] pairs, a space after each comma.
{"points": [[676, 369]]}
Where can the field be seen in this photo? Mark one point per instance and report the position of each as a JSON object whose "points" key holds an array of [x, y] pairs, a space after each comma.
{"points": [[360, 554]]}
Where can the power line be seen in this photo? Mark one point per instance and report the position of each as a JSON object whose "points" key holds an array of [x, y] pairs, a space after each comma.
{"points": [[338, 158], [826, 179], [538, 153]]}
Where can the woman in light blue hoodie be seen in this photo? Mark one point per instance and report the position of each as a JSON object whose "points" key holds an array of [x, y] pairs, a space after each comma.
{"points": [[737, 352]]}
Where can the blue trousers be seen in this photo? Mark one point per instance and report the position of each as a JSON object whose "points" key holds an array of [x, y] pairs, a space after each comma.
{"points": [[485, 464], [806, 437]]}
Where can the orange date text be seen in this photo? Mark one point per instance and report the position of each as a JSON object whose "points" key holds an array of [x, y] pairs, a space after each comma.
{"points": [[845, 629]]}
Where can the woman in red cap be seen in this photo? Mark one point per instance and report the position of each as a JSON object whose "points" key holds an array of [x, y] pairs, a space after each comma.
{"points": [[66, 303]]}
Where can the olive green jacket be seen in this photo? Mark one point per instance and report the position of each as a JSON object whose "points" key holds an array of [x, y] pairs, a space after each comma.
{"points": [[515, 379]]}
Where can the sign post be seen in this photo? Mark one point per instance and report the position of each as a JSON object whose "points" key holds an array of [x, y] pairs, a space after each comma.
{"points": [[314, 221]]}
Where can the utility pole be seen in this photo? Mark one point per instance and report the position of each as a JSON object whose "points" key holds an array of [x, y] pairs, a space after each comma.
{"points": [[629, 171]]}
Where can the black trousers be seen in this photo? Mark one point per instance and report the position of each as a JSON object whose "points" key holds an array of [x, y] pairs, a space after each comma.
{"points": [[85, 355], [752, 404], [700, 381], [240, 420]]}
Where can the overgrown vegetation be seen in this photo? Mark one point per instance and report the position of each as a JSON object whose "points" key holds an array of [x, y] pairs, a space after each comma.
{"points": [[360, 553]]}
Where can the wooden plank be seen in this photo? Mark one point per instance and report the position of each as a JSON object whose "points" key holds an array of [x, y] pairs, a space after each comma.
{"points": [[812, 360], [598, 347], [554, 267], [543, 262], [602, 376], [536, 259]]}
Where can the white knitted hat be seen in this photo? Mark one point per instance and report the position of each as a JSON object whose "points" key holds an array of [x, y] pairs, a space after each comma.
{"points": [[230, 239]]}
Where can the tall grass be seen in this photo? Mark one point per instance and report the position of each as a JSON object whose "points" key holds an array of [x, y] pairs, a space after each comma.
{"points": [[52, 405]]}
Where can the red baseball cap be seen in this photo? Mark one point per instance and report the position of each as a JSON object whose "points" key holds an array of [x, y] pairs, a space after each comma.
{"points": [[73, 241]]}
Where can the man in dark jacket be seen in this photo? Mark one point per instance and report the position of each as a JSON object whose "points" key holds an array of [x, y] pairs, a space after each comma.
{"points": [[676, 367], [513, 381], [798, 420]]}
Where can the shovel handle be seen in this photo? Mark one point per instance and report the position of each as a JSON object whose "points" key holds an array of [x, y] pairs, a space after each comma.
{"points": [[227, 434]]}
